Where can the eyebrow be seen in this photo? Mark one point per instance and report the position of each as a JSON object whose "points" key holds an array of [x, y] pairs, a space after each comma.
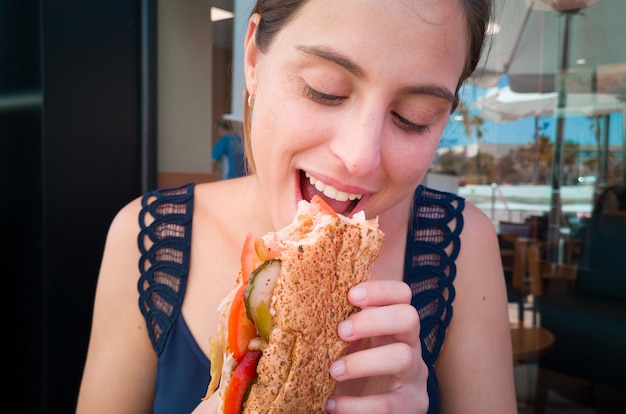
{"points": [[335, 57], [433, 90]]}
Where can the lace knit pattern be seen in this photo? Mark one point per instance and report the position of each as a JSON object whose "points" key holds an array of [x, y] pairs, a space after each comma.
{"points": [[164, 242], [432, 247]]}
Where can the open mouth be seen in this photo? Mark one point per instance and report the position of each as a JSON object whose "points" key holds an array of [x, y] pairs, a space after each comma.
{"points": [[341, 201]]}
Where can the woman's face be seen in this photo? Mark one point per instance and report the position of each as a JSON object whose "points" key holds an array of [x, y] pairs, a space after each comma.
{"points": [[353, 95]]}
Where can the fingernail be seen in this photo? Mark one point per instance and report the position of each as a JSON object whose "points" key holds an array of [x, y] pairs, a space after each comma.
{"points": [[330, 405], [345, 329], [337, 369], [358, 292]]}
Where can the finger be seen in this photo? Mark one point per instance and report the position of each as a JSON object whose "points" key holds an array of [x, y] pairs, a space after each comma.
{"points": [[404, 400], [380, 293], [395, 359], [401, 322]]}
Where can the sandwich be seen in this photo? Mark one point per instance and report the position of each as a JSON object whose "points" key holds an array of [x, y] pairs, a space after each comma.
{"points": [[277, 335]]}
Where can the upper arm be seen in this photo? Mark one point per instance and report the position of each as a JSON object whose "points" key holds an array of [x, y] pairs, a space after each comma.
{"points": [[475, 368], [120, 369]]}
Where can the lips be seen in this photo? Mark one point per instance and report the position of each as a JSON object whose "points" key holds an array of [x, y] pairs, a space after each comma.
{"points": [[341, 201]]}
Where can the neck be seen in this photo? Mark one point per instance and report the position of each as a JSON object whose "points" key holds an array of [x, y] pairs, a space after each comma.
{"points": [[395, 224]]}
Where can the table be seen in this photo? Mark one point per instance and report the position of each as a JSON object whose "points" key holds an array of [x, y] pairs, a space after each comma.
{"points": [[530, 342], [554, 271]]}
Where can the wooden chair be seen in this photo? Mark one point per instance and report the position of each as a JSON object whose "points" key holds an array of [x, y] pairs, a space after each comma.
{"points": [[542, 272], [515, 239], [513, 254], [543, 275]]}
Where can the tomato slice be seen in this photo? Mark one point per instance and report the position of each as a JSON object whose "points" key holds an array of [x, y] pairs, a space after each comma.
{"points": [[249, 258], [318, 201], [243, 377], [240, 329]]}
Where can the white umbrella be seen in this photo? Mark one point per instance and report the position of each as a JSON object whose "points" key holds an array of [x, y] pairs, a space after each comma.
{"points": [[505, 105]]}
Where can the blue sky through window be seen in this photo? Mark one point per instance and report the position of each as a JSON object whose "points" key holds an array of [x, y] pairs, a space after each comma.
{"points": [[578, 129]]}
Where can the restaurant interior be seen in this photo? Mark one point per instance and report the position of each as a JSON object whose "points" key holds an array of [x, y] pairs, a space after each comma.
{"points": [[562, 235]]}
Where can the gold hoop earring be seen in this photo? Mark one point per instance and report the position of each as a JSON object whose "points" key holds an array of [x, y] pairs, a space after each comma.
{"points": [[251, 102]]}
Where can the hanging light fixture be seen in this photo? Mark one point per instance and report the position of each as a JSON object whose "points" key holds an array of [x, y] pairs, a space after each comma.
{"points": [[218, 14]]}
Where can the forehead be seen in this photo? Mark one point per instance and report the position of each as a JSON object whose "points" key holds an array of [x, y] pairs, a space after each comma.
{"points": [[419, 35], [433, 11]]}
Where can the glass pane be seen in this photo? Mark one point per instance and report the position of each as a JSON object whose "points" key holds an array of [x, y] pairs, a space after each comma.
{"points": [[538, 144]]}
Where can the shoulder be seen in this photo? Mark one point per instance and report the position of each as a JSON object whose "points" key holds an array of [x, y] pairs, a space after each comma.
{"points": [[478, 264], [480, 285], [124, 227], [121, 253], [480, 324], [119, 346], [479, 246], [477, 223]]}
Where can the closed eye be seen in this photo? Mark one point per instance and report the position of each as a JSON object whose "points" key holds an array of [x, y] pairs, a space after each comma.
{"points": [[323, 98], [409, 126]]}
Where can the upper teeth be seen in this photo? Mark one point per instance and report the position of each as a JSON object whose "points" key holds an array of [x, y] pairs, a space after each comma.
{"points": [[330, 191]]}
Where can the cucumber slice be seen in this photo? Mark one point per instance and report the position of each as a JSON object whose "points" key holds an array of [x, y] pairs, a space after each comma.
{"points": [[263, 321], [260, 289]]}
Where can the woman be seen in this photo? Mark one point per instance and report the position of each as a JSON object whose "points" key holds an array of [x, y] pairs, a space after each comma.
{"points": [[346, 98]]}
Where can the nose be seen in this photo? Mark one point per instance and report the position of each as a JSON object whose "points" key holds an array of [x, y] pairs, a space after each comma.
{"points": [[359, 143]]}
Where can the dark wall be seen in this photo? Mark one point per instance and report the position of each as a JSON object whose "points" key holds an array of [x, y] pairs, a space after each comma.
{"points": [[21, 204], [68, 163]]}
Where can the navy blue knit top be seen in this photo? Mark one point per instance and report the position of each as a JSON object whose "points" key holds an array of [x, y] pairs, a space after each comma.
{"points": [[165, 239]]}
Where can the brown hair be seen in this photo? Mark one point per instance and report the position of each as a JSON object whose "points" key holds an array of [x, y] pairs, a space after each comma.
{"points": [[276, 13]]}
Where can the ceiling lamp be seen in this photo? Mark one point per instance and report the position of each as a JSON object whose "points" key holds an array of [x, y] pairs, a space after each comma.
{"points": [[218, 14]]}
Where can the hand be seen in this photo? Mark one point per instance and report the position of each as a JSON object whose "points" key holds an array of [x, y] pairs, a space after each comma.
{"points": [[208, 406], [383, 371]]}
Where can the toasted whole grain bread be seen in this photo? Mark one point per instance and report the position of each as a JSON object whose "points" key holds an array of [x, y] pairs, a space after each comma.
{"points": [[310, 299], [323, 256]]}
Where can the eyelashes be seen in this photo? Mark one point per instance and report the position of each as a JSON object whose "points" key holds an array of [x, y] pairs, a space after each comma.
{"points": [[323, 98], [334, 100], [409, 126]]}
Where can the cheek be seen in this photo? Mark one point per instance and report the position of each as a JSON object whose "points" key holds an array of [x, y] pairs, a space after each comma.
{"points": [[408, 160], [275, 134], [409, 166], [284, 123]]}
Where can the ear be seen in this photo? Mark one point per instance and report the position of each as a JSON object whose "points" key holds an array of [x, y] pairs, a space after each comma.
{"points": [[251, 54]]}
